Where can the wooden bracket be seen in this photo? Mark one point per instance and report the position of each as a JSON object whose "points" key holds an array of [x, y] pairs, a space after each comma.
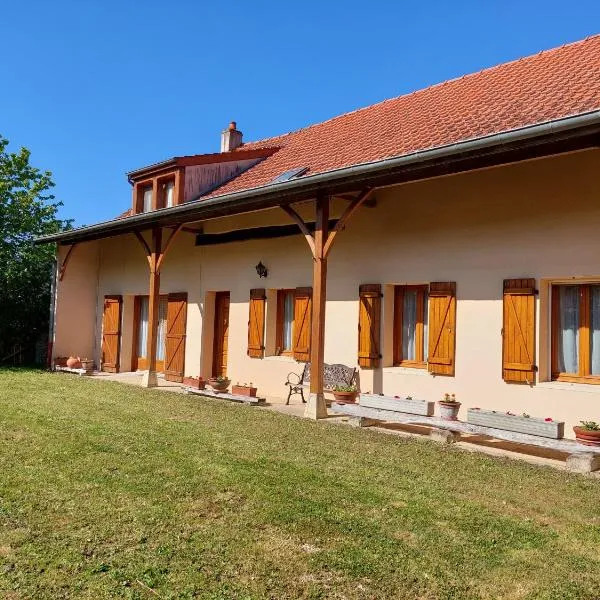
{"points": [[168, 245], [341, 224], [302, 225], [145, 246], [65, 262]]}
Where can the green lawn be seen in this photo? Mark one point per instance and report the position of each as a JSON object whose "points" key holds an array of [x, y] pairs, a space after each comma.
{"points": [[108, 491]]}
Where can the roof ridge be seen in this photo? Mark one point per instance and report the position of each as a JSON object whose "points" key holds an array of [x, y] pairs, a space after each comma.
{"points": [[426, 89]]}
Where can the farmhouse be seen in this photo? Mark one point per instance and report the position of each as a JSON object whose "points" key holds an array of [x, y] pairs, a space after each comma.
{"points": [[441, 241]]}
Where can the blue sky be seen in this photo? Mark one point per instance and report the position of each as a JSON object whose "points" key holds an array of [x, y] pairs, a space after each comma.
{"points": [[95, 89]]}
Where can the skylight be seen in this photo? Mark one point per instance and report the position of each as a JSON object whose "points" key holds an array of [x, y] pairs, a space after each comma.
{"points": [[291, 174]]}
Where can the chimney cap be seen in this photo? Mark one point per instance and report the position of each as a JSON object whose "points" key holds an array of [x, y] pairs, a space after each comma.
{"points": [[232, 126]]}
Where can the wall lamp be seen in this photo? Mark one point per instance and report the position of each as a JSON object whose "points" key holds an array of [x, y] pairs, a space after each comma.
{"points": [[261, 270]]}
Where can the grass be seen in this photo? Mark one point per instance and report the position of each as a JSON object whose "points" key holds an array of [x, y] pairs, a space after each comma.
{"points": [[108, 491]]}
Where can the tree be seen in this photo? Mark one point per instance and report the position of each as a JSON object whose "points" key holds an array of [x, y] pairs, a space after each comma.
{"points": [[27, 210]]}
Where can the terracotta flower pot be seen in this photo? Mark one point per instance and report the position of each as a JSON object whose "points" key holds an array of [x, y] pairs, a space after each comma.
{"points": [[73, 362], [587, 437], [449, 410], [219, 386], [345, 397], [244, 390], [194, 382]]}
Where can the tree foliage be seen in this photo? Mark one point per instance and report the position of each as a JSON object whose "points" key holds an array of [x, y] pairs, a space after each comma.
{"points": [[27, 210]]}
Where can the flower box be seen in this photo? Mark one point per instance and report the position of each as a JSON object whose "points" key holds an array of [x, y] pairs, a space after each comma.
{"points": [[194, 382], [87, 365], [528, 425], [403, 405], [244, 390]]}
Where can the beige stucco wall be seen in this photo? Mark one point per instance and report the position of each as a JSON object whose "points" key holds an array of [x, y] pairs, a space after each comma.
{"points": [[537, 219], [75, 310]]}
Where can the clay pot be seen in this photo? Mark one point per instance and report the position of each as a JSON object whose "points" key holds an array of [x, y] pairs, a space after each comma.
{"points": [[449, 410], [73, 362], [194, 382], [219, 386], [587, 437], [345, 397]]}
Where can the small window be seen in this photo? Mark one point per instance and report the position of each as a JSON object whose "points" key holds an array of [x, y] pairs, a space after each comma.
{"points": [[147, 198], [166, 196], [411, 331], [576, 333], [285, 322]]}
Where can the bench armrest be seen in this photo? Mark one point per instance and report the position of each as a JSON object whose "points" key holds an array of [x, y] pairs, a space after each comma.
{"points": [[293, 379]]}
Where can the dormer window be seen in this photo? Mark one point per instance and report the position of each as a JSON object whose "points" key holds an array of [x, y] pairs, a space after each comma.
{"points": [[166, 194], [161, 191]]}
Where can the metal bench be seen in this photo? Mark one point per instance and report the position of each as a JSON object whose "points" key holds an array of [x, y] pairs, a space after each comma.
{"points": [[333, 375]]}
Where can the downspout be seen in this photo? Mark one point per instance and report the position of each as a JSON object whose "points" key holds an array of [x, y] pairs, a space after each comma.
{"points": [[52, 319]]}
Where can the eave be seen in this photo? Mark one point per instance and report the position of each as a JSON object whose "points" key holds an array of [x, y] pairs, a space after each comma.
{"points": [[199, 159], [567, 134]]}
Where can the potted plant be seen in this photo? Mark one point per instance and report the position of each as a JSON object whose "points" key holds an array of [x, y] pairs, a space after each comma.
{"points": [[588, 433], [449, 407], [74, 362], [244, 390], [198, 383], [219, 384], [87, 364], [345, 394]]}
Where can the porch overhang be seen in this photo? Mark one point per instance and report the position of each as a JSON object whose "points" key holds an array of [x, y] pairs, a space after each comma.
{"points": [[567, 134]]}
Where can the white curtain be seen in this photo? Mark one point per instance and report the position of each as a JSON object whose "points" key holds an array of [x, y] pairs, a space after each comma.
{"points": [[162, 330], [169, 187], [148, 199], [142, 344], [409, 322], [568, 356], [288, 320], [425, 328], [595, 330]]}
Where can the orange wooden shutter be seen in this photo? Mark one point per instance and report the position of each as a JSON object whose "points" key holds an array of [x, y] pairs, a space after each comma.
{"points": [[175, 338], [111, 333], [369, 326], [442, 327], [302, 323], [518, 331], [256, 323]]}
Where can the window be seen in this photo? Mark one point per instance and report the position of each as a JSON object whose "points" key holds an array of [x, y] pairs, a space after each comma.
{"points": [[411, 330], [576, 332], [166, 196], [285, 321], [147, 198]]}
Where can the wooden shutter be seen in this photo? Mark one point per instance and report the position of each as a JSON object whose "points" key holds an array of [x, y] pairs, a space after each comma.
{"points": [[111, 333], [175, 338], [518, 331], [442, 327], [302, 323], [369, 326], [256, 323]]}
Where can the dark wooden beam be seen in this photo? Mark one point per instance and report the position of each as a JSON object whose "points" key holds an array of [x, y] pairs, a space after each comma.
{"points": [[65, 262]]}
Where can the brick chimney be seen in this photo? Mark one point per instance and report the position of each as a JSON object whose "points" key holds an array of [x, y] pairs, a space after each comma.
{"points": [[231, 138]]}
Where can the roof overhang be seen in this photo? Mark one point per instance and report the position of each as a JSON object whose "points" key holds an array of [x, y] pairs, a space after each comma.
{"points": [[543, 139]]}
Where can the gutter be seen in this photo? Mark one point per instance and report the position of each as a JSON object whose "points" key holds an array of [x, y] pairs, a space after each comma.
{"points": [[271, 195]]}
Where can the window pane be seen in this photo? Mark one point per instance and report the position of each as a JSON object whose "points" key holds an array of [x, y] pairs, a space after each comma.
{"points": [[147, 198], [288, 321], [425, 327], [169, 187], [568, 335], [142, 344], [409, 323], [595, 329]]}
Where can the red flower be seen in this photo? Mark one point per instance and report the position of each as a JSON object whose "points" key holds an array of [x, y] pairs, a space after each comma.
{"points": [[548, 420]]}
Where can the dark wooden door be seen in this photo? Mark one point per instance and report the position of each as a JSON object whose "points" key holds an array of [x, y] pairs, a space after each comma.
{"points": [[221, 334], [111, 333]]}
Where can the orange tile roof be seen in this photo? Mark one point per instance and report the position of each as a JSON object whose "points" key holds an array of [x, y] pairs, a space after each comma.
{"points": [[550, 85]]}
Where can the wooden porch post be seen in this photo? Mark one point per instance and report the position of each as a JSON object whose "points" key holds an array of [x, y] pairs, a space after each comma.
{"points": [[320, 245], [150, 379], [316, 408]]}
